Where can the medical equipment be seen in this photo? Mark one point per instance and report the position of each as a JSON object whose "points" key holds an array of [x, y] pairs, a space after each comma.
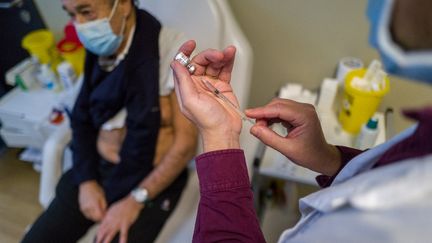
{"points": [[368, 135], [373, 80], [98, 37], [216, 92], [67, 75], [346, 65], [363, 92], [23, 74], [73, 53], [40, 44], [46, 77], [185, 61], [375, 76]]}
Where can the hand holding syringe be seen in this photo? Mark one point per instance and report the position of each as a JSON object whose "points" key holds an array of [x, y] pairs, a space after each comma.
{"points": [[185, 61], [216, 92]]}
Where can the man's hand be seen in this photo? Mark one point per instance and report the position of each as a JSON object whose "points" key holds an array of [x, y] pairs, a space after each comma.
{"points": [[120, 216], [92, 200], [305, 143], [219, 126]]}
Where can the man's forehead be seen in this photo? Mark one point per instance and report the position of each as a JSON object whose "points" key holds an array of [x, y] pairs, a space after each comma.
{"points": [[77, 4]]}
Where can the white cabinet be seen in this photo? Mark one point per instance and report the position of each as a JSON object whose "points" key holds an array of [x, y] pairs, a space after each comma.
{"points": [[25, 116]]}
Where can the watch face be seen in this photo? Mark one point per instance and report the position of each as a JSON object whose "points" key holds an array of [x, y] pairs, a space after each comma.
{"points": [[140, 194]]}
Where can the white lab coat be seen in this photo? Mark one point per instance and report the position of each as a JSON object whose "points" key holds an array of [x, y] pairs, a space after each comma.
{"points": [[387, 204]]}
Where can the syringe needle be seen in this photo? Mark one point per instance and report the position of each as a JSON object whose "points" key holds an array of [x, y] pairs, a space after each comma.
{"points": [[216, 92]]}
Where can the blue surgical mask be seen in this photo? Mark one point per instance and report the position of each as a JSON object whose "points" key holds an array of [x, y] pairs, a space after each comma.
{"points": [[98, 37], [410, 64]]}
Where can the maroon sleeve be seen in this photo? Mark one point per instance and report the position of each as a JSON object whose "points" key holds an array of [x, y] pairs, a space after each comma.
{"points": [[225, 211], [347, 154]]}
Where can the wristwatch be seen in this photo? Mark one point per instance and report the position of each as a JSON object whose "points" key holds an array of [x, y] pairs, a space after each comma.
{"points": [[140, 195]]}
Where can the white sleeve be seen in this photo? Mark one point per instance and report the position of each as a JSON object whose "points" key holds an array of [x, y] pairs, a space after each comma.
{"points": [[169, 42]]}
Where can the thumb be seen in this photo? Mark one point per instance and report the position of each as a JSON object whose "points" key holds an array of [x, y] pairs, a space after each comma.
{"points": [[102, 208], [270, 138], [183, 81], [103, 203], [98, 214]]}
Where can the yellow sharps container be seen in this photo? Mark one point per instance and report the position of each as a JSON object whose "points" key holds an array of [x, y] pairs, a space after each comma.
{"points": [[40, 43], [359, 105]]}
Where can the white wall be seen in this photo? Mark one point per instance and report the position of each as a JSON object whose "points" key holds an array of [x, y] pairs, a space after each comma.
{"points": [[302, 41], [53, 15], [296, 41]]}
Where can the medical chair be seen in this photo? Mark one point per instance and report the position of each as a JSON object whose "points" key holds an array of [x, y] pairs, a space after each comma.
{"points": [[212, 25]]}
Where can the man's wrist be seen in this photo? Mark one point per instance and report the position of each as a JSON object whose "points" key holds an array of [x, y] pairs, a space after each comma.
{"points": [[140, 195], [220, 141], [134, 203]]}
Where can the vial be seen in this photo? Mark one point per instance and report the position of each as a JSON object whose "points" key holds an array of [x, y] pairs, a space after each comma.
{"points": [[185, 61]]}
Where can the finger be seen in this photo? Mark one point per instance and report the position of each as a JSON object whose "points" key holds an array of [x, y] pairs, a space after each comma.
{"points": [[283, 110], [270, 138], [124, 233], [97, 214], [208, 62], [177, 90], [101, 233], [184, 83], [110, 236], [188, 47], [229, 58], [261, 122], [106, 232]]}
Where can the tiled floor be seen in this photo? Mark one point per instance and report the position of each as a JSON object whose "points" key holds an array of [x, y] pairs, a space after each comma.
{"points": [[19, 187]]}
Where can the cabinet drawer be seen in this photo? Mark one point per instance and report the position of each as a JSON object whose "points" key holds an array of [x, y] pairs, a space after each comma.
{"points": [[17, 139]]}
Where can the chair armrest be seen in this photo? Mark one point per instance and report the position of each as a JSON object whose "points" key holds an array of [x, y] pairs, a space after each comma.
{"points": [[52, 156]]}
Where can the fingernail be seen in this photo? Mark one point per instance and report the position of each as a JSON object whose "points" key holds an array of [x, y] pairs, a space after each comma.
{"points": [[255, 130]]}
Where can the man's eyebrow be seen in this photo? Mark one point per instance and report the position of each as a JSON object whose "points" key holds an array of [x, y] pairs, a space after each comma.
{"points": [[82, 6]]}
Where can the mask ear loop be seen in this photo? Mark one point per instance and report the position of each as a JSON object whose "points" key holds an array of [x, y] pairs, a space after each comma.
{"points": [[114, 9], [123, 26]]}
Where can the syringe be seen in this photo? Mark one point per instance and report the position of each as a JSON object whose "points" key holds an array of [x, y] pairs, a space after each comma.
{"points": [[216, 92]]}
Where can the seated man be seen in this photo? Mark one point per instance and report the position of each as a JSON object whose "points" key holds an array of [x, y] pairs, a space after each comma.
{"points": [[130, 142]]}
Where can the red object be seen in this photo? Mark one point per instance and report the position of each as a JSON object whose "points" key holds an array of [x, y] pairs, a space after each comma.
{"points": [[56, 117], [66, 46], [70, 42], [71, 34]]}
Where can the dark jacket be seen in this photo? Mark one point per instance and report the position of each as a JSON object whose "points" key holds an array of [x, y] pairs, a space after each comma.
{"points": [[133, 84]]}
